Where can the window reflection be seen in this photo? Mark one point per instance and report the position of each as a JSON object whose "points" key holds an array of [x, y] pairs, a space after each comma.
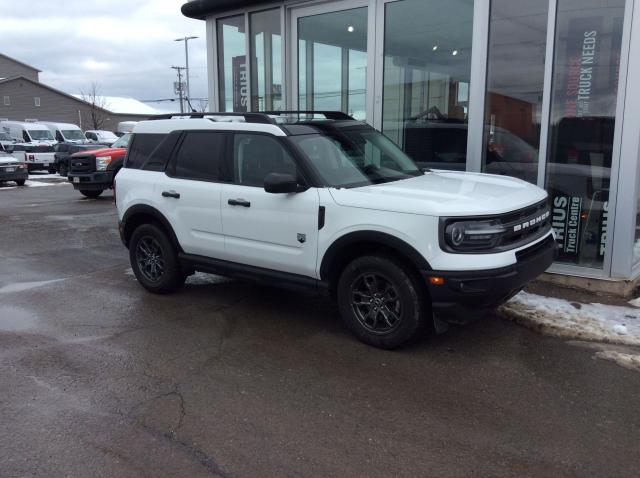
{"points": [[585, 84], [266, 67], [232, 65], [515, 81], [332, 62], [427, 68]]}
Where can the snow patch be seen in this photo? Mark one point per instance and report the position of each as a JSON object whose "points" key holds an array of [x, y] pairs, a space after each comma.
{"points": [[23, 286], [631, 361], [592, 322], [200, 278]]}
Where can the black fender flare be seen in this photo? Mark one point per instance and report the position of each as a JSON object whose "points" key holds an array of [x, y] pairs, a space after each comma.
{"points": [[149, 211], [371, 237]]}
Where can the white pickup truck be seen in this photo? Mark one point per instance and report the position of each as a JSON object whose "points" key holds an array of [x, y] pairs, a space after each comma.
{"points": [[35, 157]]}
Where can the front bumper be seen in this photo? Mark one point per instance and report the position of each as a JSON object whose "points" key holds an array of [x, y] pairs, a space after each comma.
{"points": [[465, 296], [18, 175], [91, 181]]}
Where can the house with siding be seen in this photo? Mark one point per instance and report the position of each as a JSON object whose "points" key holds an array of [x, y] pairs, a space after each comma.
{"points": [[24, 98]]}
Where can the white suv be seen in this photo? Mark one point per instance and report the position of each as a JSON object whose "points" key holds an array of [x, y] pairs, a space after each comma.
{"points": [[321, 201]]}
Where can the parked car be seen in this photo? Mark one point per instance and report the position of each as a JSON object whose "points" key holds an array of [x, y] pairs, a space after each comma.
{"points": [[32, 133], [92, 172], [102, 137], [63, 151], [329, 205], [66, 132], [11, 169]]}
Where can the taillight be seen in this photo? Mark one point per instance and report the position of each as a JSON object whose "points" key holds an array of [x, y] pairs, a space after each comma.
{"points": [[31, 157]]}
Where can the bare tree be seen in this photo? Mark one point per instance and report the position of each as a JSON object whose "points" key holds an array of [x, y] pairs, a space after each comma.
{"points": [[97, 106], [202, 105]]}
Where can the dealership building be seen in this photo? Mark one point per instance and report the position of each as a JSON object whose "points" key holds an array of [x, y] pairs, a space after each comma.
{"points": [[544, 90]]}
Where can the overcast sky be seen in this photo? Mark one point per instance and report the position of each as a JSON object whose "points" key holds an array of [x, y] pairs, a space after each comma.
{"points": [[126, 46]]}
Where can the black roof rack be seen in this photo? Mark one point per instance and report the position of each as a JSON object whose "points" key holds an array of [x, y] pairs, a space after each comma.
{"points": [[330, 115], [248, 117], [263, 117]]}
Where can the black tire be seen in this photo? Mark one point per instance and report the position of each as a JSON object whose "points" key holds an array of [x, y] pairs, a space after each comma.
{"points": [[382, 302], [20, 182], [154, 260], [63, 171], [52, 170], [91, 193]]}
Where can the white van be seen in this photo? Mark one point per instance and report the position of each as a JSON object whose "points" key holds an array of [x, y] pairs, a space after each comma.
{"points": [[66, 132], [35, 141], [125, 127], [33, 133]]}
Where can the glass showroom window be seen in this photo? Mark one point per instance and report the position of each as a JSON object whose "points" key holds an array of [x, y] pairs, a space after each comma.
{"points": [[232, 65], [515, 81], [427, 69], [266, 56], [332, 61], [583, 109]]}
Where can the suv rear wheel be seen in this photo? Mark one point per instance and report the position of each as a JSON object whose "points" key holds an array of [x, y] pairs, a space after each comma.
{"points": [[381, 302], [154, 260]]}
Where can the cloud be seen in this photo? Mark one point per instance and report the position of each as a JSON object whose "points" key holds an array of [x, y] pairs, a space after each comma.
{"points": [[125, 46]]}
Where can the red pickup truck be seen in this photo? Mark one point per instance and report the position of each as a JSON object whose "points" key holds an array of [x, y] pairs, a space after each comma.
{"points": [[91, 172]]}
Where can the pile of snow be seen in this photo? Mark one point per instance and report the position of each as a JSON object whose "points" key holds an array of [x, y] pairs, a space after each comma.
{"points": [[592, 322]]}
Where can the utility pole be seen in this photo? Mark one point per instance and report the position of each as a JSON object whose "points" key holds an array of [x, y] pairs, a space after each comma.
{"points": [[186, 55], [179, 87]]}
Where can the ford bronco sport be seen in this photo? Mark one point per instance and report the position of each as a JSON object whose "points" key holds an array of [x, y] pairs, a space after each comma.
{"points": [[318, 200]]}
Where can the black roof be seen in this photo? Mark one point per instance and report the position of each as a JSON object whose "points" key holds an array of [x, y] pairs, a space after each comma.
{"points": [[201, 8]]}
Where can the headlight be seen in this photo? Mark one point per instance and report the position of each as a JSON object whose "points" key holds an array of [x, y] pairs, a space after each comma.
{"points": [[102, 162], [473, 235]]}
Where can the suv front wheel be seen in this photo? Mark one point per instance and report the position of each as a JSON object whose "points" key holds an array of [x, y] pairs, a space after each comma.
{"points": [[154, 260], [381, 302]]}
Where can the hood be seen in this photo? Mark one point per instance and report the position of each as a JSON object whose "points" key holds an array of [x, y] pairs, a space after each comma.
{"points": [[102, 152], [444, 193], [7, 159]]}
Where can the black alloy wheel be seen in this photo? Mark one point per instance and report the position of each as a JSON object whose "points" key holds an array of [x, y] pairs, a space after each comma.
{"points": [[150, 259], [376, 303], [382, 301]]}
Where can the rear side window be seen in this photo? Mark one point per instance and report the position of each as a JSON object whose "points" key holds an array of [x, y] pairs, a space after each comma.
{"points": [[140, 148], [200, 156]]}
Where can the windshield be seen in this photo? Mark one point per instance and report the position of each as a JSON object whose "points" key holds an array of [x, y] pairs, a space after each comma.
{"points": [[40, 134], [107, 135], [4, 137], [72, 134], [123, 141], [354, 158]]}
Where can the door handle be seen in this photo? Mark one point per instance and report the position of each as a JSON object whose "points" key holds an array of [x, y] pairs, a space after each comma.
{"points": [[238, 202], [170, 194]]}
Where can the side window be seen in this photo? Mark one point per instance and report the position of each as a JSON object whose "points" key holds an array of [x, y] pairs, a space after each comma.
{"points": [[200, 156], [256, 155], [25, 137], [59, 136], [140, 147]]}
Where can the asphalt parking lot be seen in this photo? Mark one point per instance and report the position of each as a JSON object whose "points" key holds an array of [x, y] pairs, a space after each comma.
{"points": [[100, 378]]}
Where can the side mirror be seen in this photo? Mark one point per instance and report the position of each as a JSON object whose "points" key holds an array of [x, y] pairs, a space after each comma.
{"points": [[279, 183]]}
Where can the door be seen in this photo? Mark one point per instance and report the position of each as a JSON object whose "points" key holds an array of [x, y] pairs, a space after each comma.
{"points": [[329, 58], [271, 231], [189, 193]]}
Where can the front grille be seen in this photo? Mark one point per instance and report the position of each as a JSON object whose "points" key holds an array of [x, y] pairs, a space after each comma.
{"points": [[524, 225], [529, 252], [9, 165], [85, 163]]}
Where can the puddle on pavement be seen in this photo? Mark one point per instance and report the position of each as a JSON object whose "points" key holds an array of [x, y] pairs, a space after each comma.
{"points": [[23, 286], [14, 319]]}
